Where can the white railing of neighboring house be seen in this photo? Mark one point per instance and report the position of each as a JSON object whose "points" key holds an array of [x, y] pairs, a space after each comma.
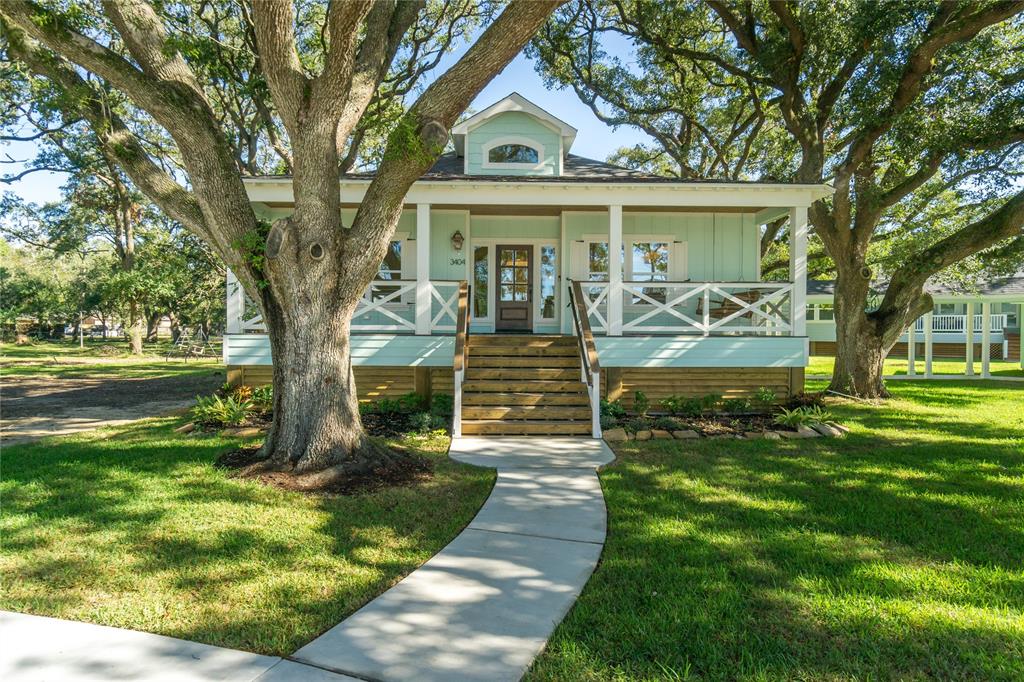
{"points": [[956, 323], [757, 308], [387, 305]]}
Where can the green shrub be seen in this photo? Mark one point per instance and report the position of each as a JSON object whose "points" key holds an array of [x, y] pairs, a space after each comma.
{"points": [[608, 422], [263, 399], [229, 411], [765, 397], [802, 416], [613, 409], [736, 405], [425, 422], [635, 424], [818, 413], [709, 402], [641, 404], [442, 405], [667, 424]]}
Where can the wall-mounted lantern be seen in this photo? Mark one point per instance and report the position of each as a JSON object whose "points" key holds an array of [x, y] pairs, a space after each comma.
{"points": [[458, 240]]}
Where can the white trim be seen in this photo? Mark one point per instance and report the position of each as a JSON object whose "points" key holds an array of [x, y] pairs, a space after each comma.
{"points": [[521, 140], [492, 268], [514, 102], [423, 288], [798, 269]]}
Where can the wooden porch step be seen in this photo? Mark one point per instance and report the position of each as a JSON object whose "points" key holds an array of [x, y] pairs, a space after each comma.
{"points": [[513, 373], [497, 427], [536, 386], [499, 398], [525, 361], [527, 350], [546, 413], [521, 340]]}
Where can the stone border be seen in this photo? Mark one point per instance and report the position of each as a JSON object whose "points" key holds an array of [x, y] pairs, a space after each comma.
{"points": [[815, 430]]}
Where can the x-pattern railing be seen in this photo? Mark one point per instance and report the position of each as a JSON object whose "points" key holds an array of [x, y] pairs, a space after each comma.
{"points": [[446, 318], [751, 307]]}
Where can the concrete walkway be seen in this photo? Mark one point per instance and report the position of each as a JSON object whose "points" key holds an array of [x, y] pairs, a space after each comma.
{"points": [[483, 607]]}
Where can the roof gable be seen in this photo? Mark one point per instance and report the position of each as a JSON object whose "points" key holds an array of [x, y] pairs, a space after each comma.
{"points": [[513, 102]]}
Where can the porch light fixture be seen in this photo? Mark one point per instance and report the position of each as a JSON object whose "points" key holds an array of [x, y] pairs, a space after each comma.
{"points": [[458, 240]]}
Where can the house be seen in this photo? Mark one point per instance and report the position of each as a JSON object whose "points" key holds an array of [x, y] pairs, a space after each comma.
{"points": [[995, 308], [530, 282]]}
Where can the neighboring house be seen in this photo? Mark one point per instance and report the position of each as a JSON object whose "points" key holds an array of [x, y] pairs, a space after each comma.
{"points": [[999, 302], [537, 244]]}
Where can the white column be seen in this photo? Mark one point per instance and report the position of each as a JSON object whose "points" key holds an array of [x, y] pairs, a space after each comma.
{"points": [[235, 302], [615, 266], [912, 349], [798, 268], [986, 338], [969, 338], [423, 269], [928, 322]]}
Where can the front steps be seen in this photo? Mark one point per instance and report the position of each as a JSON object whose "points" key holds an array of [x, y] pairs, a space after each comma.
{"points": [[524, 385]]}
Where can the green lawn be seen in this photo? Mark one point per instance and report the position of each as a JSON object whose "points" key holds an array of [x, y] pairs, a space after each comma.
{"points": [[133, 527], [822, 365], [111, 358], [895, 553]]}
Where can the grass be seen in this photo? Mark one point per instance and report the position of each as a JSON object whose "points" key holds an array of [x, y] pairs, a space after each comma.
{"points": [[133, 527], [822, 365], [894, 553], [64, 359]]}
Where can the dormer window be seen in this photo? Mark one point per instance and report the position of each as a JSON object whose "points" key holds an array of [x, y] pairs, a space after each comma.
{"points": [[513, 153]]}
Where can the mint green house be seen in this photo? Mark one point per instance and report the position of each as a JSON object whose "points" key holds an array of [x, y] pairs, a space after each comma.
{"points": [[598, 280]]}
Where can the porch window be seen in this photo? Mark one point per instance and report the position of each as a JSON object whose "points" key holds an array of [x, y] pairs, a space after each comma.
{"points": [[547, 282], [513, 271], [481, 258], [513, 153], [649, 264], [826, 312], [597, 262]]}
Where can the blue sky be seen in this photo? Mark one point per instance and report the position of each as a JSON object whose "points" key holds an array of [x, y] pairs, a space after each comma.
{"points": [[595, 139]]}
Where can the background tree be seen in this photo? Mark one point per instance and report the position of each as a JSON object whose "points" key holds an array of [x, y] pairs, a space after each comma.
{"points": [[896, 105], [308, 271]]}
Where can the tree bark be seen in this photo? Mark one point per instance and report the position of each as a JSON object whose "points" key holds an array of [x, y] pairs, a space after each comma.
{"points": [[135, 328]]}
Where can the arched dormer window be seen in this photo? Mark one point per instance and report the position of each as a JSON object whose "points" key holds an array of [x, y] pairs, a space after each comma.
{"points": [[513, 153]]}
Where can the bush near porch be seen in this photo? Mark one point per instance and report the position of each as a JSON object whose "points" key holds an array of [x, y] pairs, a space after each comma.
{"points": [[133, 527], [896, 552]]}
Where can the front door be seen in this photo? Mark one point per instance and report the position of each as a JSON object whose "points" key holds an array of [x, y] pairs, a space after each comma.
{"points": [[515, 290]]}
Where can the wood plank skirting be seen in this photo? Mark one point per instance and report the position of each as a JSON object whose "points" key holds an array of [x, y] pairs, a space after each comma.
{"points": [[621, 383], [955, 351], [372, 383]]}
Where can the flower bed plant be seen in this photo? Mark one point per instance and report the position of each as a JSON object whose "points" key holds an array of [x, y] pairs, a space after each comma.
{"points": [[714, 416]]}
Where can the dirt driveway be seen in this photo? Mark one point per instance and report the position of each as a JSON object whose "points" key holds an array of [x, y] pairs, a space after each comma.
{"points": [[33, 407]]}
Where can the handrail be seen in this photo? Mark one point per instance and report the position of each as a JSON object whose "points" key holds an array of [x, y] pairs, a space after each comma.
{"points": [[590, 366], [461, 359]]}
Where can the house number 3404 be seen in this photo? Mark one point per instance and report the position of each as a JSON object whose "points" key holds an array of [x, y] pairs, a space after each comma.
{"points": [[456, 261]]}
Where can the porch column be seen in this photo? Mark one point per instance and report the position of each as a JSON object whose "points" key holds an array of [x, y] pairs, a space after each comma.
{"points": [[615, 266], [969, 338], [912, 349], [423, 269], [986, 338], [235, 303], [928, 322], [798, 269]]}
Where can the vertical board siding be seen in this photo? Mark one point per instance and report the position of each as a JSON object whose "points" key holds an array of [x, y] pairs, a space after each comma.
{"points": [[509, 124], [445, 262]]}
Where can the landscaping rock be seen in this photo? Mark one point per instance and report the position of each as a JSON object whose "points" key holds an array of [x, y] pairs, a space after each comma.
{"points": [[788, 434], [807, 432], [826, 430], [186, 428], [771, 435], [685, 435], [839, 427], [659, 434], [753, 435], [612, 435], [643, 435]]}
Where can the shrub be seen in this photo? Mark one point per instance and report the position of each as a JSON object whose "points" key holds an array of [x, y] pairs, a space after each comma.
{"points": [[227, 411], [765, 396], [709, 402], [635, 424], [667, 424], [802, 416], [641, 404], [736, 405], [608, 422], [817, 413], [263, 399], [613, 409], [442, 405], [805, 400], [425, 422]]}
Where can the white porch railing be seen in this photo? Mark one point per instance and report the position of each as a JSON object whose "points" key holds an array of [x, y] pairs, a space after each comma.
{"points": [[705, 308], [387, 305], [956, 323]]}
